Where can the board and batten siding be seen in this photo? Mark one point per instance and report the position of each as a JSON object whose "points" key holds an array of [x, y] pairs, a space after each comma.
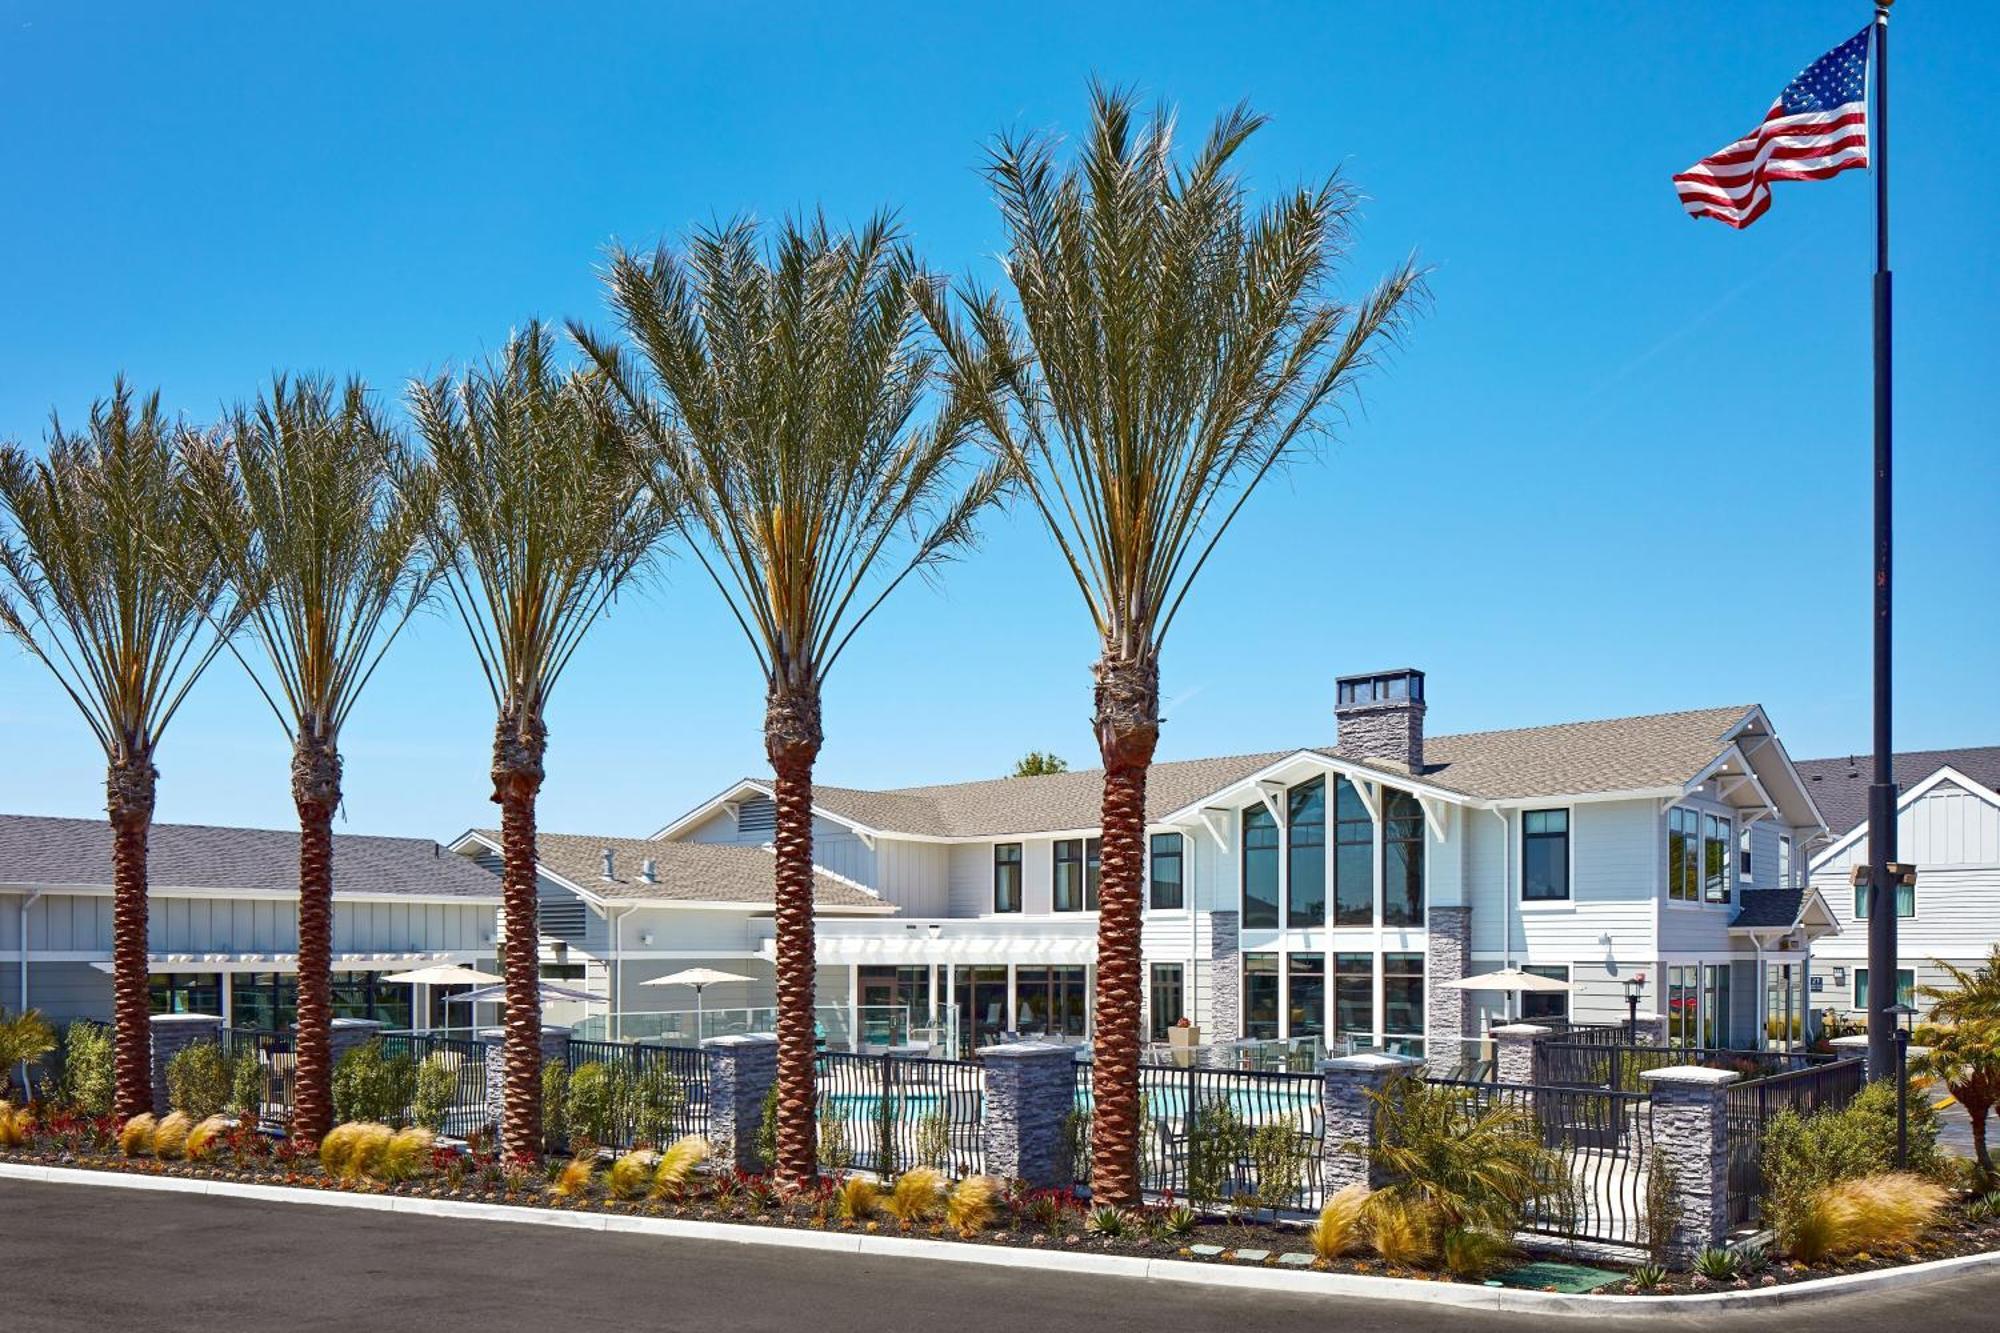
{"points": [[81, 923], [1952, 836], [835, 846]]}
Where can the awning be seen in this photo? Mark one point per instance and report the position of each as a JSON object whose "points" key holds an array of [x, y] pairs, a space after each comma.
{"points": [[289, 962], [1047, 950]]}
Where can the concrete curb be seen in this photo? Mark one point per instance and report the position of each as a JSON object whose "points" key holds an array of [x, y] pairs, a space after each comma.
{"points": [[1238, 1277]]}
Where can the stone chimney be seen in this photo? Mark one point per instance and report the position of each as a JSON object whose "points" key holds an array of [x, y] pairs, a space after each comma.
{"points": [[1380, 715]]}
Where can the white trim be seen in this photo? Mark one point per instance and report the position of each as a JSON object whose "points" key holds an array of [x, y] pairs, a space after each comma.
{"points": [[1568, 901], [255, 895], [1460, 1295]]}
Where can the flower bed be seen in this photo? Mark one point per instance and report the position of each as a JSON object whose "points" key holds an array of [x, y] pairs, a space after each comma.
{"points": [[1049, 1219]]}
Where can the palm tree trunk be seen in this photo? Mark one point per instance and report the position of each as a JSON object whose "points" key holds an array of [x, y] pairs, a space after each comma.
{"points": [[129, 794], [1978, 1116], [792, 741], [1128, 728], [519, 743], [316, 793]]}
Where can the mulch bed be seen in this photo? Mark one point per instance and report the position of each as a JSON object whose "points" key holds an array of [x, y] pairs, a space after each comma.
{"points": [[1053, 1220]]}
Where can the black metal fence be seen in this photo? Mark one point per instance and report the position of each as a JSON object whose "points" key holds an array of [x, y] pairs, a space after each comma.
{"points": [[1601, 1140], [645, 1093], [465, 1060], [887, 1113], [1242, 1138], [1596, 1063], [1752, 1106], [276, 1053]]}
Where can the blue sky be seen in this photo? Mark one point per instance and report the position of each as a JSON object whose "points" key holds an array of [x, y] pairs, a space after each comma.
{"points": [[1621, 467]]}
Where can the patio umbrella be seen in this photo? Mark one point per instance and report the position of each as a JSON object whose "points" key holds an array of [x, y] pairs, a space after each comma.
{"points": [[696, 977], [437, 974], [548, 991], [1510, 980]]}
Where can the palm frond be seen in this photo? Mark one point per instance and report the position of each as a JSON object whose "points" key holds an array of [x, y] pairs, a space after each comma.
{"points": [[539, 514], [1168, 345], [788, 395], [107, 574]]}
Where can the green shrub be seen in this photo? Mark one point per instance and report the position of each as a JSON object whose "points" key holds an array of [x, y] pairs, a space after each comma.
{"points": [[1278, 1155], [1217, 1141], [1662, 1208], [933, 1140], [595, 1093], [767, 1128], [198, 1080], [834, 1153], [1803, 1154], [656, 1098], [436, 1090], [369, 1084], [1467, 1166], [24, 1040], [246, 1086], [88, 1078], [555, 1105]]}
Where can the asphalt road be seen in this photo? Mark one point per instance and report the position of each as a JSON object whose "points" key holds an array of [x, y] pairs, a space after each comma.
{"points": [[76, 1257]]}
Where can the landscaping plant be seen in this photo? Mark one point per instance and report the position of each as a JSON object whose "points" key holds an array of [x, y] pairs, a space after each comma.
{"points": [[632, 1174], [15, 1123], [135, 1136], [170, 1136], [1108, 1221], [24, 1039], [1466, 1165], [1342, 1223], [555, 1105], [435, 1091], [246, 1085], [88, 1083], [970, 1206], [206, 1137], [914, 1196], [370, 1084], [1402, 1230], [677, 1165], [1965, 1057], [1869, 1213], [857, 1199], [656, 1098], [1717, 1263], [1803, 1154], [592, 1109], [198, 1080], [572, 1178]]}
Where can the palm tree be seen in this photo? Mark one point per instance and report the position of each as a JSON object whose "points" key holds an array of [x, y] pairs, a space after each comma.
{"points": [[304, 497], [108, 579], [1177, 345], [1974, 993], [542, 517], [799, 415]]}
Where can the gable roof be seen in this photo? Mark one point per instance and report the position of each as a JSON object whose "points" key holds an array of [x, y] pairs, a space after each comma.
{"points": [[687, 872], [1840, 786], [1654, 752], [77, 852]]}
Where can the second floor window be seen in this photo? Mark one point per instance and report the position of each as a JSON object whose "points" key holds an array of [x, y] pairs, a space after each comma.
{"points": [[1169, 887], [1544, 855], [1007, 877], [1683, 855], [1353, 858], [1260, 869], [1078, 870], [1715, 845], [1402, 860], [1305, 891]]}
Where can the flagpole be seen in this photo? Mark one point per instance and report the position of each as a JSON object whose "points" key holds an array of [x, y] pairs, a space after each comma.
{"points": [[1882, 787]]}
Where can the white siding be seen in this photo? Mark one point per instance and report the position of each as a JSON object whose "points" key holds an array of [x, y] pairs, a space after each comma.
{"points": [[81, 923], [1953, 838]]}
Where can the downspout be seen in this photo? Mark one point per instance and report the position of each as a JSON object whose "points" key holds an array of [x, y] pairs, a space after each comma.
{"points": [[617, 1006], [27, 900], [1506, 896]]}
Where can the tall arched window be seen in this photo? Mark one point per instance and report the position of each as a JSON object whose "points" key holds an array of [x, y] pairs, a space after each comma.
{"points": [[1353, 858], [1260, 869], [1305, 891], [1402, 860]]}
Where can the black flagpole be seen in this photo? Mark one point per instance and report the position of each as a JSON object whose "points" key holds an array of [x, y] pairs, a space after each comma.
{"points": [[1882, 786]]}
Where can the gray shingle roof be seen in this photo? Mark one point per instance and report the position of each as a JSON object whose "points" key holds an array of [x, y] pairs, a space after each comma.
{"points": [[39, 850], [1769, 909], [684, 871], [1839, 787], [1572, 758]]}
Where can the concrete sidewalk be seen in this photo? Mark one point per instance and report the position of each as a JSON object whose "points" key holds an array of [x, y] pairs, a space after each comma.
{"points": [[80, 1257]]}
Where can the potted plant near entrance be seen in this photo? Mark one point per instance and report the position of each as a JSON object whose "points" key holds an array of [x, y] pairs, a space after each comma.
{"points": [[1182, 1039]]}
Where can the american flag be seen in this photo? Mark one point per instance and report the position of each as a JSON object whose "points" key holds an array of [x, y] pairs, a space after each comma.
{"points": [[1817, 128]]}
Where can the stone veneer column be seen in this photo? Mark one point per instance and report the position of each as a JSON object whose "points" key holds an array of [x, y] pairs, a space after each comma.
{"points": [[1648, 1030], [555, 1050], [1515, 1043], [741, 1069], [1030, 1092], [1691, 1133], [347, 1034], [172, 1034], [1225, 971], [1447, 952], [1349, 1112]]}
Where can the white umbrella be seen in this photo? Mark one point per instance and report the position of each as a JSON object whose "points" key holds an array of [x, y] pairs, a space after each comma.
{"points": [[548, 991], [444, 974], [1511, 980], [696, 977]]}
